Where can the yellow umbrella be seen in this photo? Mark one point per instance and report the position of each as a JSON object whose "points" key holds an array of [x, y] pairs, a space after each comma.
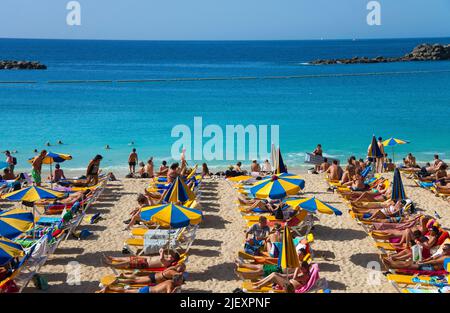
{"points": [[239, 178], [288, 257]]}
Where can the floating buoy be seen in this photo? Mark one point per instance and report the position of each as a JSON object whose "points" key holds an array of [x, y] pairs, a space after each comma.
{"points": [[107, 147]]}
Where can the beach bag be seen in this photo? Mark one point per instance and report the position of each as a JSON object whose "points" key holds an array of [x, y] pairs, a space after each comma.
{"points": [[83, 234], [40, 282]]}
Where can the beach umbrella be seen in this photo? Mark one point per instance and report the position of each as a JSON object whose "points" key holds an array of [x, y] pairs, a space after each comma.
{"points": [[9, 250], [276, 187], [313, 205], [239, 178], [294, 176], [398, 191], [31, 195], [3, 164], [374, 150], [15, 222], [179, 192], [288, 255], [51, 158], [171, 215], [273, 156], [392, 142], [281, 167]]}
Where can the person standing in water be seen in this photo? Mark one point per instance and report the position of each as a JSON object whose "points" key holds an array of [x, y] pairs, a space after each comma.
{"points": [[132, 161], [37, 167]]}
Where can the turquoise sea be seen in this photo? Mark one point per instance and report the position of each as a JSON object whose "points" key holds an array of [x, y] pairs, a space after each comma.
{"points": [[339, 106]]}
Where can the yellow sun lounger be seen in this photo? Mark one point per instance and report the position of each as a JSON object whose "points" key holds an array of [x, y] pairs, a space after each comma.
{"points": [[385, 245], [408, 279]]}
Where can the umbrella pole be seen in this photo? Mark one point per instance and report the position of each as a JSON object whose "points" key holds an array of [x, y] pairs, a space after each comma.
{"points": [[34, 223], [51, 176]]}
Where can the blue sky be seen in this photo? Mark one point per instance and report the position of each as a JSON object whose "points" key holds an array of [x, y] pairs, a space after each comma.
{"points": [[224, 19]]}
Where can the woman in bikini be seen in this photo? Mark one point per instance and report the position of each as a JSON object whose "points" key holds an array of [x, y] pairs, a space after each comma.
{"points": [[153, 277], [93, 170], [300, 278], [167, 286], [143, 262], [433, 263]]}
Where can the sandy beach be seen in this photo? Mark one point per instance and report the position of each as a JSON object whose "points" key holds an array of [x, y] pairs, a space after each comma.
{"points": [[341, 248]]}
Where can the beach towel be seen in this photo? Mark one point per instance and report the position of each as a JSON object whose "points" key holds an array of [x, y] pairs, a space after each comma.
{"points": [[314, 277]]}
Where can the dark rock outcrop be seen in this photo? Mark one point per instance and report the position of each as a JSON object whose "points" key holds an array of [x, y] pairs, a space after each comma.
{"points": [[423, 52], [21, 65]]}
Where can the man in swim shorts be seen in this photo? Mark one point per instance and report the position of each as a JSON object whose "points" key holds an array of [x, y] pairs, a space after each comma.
{"points": [[37, 167]]}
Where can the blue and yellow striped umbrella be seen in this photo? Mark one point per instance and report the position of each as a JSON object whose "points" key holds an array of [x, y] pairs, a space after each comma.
{"points": [[15, 222], [398, 191], [313, 205], [171, 215], [288, 256], [179, 192], [53, 157], [374, 151], [277, 187], [391, 142], [9, 250], [33, 194]]}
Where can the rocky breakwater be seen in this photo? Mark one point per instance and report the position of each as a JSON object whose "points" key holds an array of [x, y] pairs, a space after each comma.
{"points": [[21, 65], [423, 52]]}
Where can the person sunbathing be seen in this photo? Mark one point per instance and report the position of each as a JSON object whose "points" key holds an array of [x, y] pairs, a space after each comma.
{"points": [[406, 253], [433, 263], [70, 199], [254, 271], [441, 173], [274, 241], [403, 237], [442, 186], [427, 242], [167, 286], [334, 172], [348, 174], [298, 279], [387, 212], [357, 182], [431, 232], [375, 195], [153, 277], [144, 262], [135, 214]]}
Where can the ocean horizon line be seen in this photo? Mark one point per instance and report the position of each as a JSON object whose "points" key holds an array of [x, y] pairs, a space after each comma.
{"points": [[227, 40]]}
